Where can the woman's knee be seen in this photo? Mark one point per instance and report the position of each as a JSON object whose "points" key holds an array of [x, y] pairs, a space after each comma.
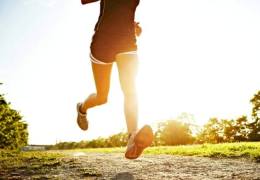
{"points": [[101, 100], [129, 92]]}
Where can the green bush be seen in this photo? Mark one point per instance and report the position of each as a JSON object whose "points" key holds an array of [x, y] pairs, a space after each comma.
{"points": [[173, 132], [13, 131]]}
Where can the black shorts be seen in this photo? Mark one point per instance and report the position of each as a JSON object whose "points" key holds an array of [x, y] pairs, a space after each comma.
{"points": [[105, 47]]}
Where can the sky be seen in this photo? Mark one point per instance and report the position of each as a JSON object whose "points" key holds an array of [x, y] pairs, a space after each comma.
{"points": [[198, 57]]}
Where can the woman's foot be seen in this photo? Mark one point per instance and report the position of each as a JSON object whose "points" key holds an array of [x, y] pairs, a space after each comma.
{"points": [[138, 141], [82, 118]]}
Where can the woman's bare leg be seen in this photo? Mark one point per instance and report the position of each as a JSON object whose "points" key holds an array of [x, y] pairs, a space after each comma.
{"points": [[101, 75], [127, 65]]}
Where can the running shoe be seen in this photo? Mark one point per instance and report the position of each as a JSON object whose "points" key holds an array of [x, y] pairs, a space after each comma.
{"points": [[82, 119], [138, 141]]}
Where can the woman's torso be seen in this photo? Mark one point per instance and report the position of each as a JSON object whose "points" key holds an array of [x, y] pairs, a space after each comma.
{"points": [[115, 30], [117, 17]]}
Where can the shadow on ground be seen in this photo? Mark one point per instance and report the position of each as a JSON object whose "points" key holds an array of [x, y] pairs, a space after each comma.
{"points": [[124, 176]]}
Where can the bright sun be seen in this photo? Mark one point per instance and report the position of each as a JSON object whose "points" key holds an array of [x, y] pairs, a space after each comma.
{"points": [[187, 60]]}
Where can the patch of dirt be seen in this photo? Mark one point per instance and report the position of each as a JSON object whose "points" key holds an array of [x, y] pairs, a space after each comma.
{"points": [[114, 166]]}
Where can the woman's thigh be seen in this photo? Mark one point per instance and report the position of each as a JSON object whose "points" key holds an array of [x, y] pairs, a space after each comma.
{"points": [[102, 74]]}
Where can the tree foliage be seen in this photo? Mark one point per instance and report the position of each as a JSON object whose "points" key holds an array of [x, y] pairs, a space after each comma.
{"points": [[211, 132], [173, 132], [254, 127], [230, 130], [169, 132], [116, 140], [224, 130], [13, 131]]}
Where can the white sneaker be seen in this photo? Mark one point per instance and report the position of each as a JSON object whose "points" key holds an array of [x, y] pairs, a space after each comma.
{"points": [[82, 119], [138, 141]]}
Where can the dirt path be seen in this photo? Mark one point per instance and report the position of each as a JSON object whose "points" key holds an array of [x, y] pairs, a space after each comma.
{"points": [[153, 167]]}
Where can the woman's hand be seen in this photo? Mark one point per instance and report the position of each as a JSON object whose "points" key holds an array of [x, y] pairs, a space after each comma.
{"points": [[138, 29], [88, 1]]}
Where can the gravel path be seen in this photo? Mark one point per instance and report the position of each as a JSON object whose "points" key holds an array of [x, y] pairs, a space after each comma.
{"points": [[158, 167], [114, 166]]}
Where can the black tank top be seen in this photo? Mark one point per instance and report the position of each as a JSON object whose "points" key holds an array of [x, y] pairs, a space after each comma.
{"points": [[117, 17]]}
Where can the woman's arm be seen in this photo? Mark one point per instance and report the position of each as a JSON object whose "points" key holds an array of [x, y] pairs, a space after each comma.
{"points": [[88, 1], [138, 29]]}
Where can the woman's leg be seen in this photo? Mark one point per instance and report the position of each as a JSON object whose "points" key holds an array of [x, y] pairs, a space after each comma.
{"points": [[101, 75], [127, 65], [138, 140]]}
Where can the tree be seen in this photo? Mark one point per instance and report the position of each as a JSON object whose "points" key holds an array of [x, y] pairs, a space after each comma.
{"points": [[117, 140], [212, 132], [227, 130], [254, 127], [13, 131], [224, 130], [172, 132], [241, 129]]}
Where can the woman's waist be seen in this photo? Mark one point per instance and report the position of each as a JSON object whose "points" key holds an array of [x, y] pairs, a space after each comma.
{"points": [[104, 32], [113, 25]]}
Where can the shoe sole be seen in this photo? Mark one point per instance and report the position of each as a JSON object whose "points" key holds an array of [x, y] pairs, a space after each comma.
{"points": [[144, 137]]}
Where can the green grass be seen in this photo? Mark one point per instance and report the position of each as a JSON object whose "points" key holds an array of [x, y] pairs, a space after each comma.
{"points": [[232, 150], [33, 159], [229, 150], [42, 165]]}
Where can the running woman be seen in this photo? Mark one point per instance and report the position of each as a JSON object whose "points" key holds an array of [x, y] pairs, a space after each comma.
{"points": [[114, 41]]}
